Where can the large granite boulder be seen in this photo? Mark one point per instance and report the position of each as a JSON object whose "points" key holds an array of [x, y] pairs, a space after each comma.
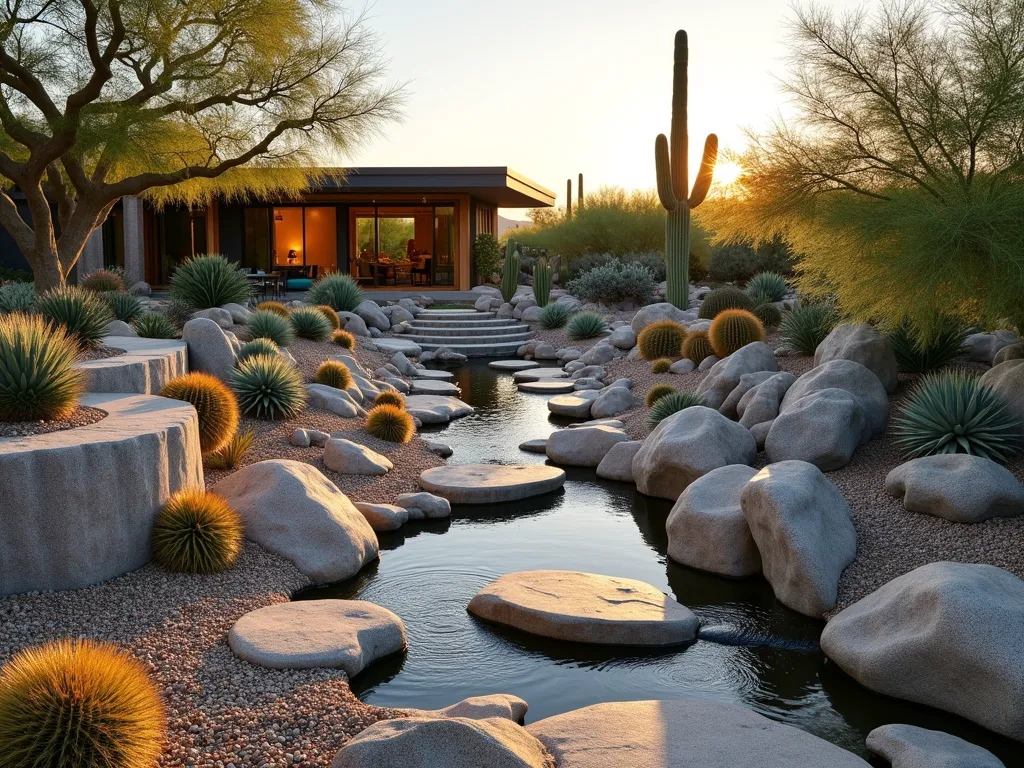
{"points": [[221, 317], [862, 344], [239, 314], [983, 347], [824, 428], [583, 447], [725, 375], [855, 379], [617, 464], [655, 313], [687, 445], [210, 349], [958, 487], [350, 458], [804, 531], [502, 705], [747, 382], [947, 635], [623, 338], [353, 323], [907, 746], [761, 403], [706, 528], [371, 314], [1007, 379], [611, 402], [290, 508]]}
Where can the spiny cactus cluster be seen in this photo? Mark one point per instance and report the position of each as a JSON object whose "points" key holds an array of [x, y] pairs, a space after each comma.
{"points": [[390, 397], [273, 306], [510, 271], [697, 346], [733, 329], [721, 299], [661, 366], [344, 339], [543, 273], [214, 403], [333, 373], [196, 532], [391, 423], [658, 391], [331, 315], [661, 339]]}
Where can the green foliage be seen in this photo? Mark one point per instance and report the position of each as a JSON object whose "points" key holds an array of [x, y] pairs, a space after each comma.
{"points": [[268, 388], [209, 281], [658, 391], [344, 339], [78, 704], [586, 325], [38, 380], [276, 307], [333, 373], [178, 313], [153, 325], [232, 453], [331, 315], [554, 316], [510, 271], [124, 306], [17, 297], [697, 346], [310, 323], [542, 276], [197, 532], [104, 281], [671, 403], [733, 329], [769, 315], [661, 366], [740, 262], [952, 412], [653, 261], [661, 339], [391, 423], [258, 346], [767, 287], [337, 291], [613, 282], [486, 256], [390, 397], [83, 313], [15, 275], [805, 327], [721, 299], [214, 403], [914, 354], [266, 324]]}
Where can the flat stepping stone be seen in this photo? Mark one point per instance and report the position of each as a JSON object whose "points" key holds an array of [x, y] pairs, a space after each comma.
{"points": [[404, 346], [307, 634], [535, 446], [431, 387], [575, 406], [436, 409], [616, 423], [491, 483], [430, 373], [547, 386], [586, 608], [513, 365], [534, 374]]}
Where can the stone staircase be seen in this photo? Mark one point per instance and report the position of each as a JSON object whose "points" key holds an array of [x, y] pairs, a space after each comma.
{"points": [[471, 333]]}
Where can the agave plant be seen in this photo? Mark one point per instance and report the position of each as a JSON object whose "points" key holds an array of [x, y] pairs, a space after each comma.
{"points": [[266, 324], [124, 306], [210, 281], [554, 316], [586, 325], [767, 288], [952, 412], [83, 313], [671, 403], [258, 346], [268, 388], [914, 354], [310, 323], [337, 291], [153, 325], [38, 379], [805, 327]]}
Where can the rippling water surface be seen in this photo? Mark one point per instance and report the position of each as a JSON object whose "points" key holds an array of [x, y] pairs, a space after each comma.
{"points": [[752, 650]]}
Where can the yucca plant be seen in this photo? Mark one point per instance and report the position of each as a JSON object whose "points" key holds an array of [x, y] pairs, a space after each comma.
{"points": [[83, 313], [586, 325], [661, 339], [671, 403], [915, 355], [214, 403], [268, 388], [658, 391], [333, 373], [697, 346], [733, 329], [344, 339], [952, 412], [104, 281], [210, 281], [554, 316], [310, 323], [274, 306], [331, 315], [178, 313], [232, 453], [767, 287], [805, 327], [391, 423], [721, 299], [153, 325], [124, 306], [390, 397], [17, 297], [196, 532], [661, 365], [769, 315], [339, 292], [78, 704], [38, 380], [266, 324], [258, 346]]}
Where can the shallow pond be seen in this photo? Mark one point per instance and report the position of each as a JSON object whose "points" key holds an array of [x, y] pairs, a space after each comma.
{"points": [[752, 651]]}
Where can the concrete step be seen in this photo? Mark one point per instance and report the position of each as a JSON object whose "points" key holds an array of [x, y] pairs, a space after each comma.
{"points": [[468, 331], [455, 314], [441, 340], [496, 349], [437, 323]]}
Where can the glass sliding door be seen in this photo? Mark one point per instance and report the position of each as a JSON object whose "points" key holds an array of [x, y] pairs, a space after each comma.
{"points": [[180, 234], [396, 245], [256, 254], [445, 245]]}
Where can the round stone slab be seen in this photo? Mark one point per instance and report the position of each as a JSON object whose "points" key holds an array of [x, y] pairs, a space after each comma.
{"points": [[513, 365], [430, 373], [586, 608], [431, 387], [576, 406], [547, 386], [436, 409], [540, 373], [491, 483], [307, 634], [540, 445]]}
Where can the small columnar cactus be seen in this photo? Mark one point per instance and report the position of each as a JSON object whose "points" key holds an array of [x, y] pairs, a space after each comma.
{"points": [[733, 329], [333, 373], [543, 273], [661, 339], [658, 391], [196, 532], [697, 346], [214, 403], [391, 423], [510, 271], [721, 299]]}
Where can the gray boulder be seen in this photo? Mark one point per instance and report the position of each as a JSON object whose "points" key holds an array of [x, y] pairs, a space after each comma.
{"points": [[531, 314], [823, 428], [654, 313], [982, 347], [946, 635], [747, 382], [862, 344], [611, 402], [545, 351], [583, 447], [804, 531], [140, 288], [239, 314], [623, 338], [119, 328], [569, 301], [210, 349], [725, 375], [220, 316], [687, 445], [348, 458], [682, 366], [1007, 379], [708, 363], [401, 315], [1012, 352], [855, 379], [617, 464], [424, 506], [761, 403], [576, 406], [337, 401], [957, 487], [383, 517], [353, 323], [504, 312], [371, 314], [907, 746], [599, 354]]}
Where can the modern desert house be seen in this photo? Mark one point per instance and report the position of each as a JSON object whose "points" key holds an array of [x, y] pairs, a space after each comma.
{"points": [[387, 227]]}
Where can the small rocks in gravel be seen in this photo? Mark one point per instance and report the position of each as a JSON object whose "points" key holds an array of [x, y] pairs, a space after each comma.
{"points": [[707, 363], [682, 366], [383, 517], [349, 458], [300, 438], [438, 448], [907, 746], [80, 417], [424, 506]]}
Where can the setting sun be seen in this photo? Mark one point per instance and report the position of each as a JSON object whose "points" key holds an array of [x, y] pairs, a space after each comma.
{"points": [[727, 173]]}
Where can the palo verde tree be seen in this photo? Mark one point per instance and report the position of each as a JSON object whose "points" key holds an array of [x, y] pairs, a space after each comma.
{"points": [[173, 100], [899, 177]]}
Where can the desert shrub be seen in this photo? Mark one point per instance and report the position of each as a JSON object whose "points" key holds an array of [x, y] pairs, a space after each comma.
{"points": [[805, 327], [661, 365], [697, 346], [274, 306], [178, 313], [335, 374], [268, 388], [210, 281], [78, 704], [952, 412], [671, 403], [390, 397], [769, 315], [391, 423], [310, 323], [331, 315], [232, 453], [214, 403], [124, 306], [554, 316], [721, 299], [83, 313], [586, 325], [915, 354], [258, 346], [38, 380], [661, 339], [614, 282], [104, 281], [153, 325], [733, 329], [339, 292], [344, 339], [17, 297], [767, 287], [739, 263], [487, 255], [658, 391], [265, 324], [196, 532]]}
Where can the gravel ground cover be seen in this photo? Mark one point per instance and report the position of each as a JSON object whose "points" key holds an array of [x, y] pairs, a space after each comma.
{"points": [[82, 416]]}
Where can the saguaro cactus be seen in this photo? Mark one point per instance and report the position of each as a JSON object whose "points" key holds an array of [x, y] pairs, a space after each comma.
{"points": [[568, 199], [542, 274], [673, 181], [579, 195], [510, 271]]}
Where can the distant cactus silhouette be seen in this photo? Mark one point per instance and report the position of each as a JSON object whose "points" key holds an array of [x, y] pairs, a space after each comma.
{"points": [[510, 271]]}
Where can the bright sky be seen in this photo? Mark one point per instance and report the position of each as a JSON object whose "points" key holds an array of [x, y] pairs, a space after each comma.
{"points": [[553, 88]]}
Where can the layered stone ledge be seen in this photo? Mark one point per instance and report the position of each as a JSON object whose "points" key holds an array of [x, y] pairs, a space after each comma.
{"points": [[78, 505], [145, 367]]}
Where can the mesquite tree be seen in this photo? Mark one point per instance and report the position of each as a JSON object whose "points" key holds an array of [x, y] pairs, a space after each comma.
{"points": [[174, 100]]}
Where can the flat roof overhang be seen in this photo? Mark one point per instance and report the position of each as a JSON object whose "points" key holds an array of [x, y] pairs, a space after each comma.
{"points": [[498, 185]]}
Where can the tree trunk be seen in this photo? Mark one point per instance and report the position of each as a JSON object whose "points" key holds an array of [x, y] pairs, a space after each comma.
{"points": [[45, 269]]}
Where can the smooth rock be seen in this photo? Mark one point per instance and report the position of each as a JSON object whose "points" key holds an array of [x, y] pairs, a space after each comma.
{"points": [[725, 374], [513, 365], [337, 401], [424, 506], [545, 351], [862, 344], [536, 374], [402, 365], [576, 406], [383, 517], [588, 372], [617, 423], [210, 350], [348, 458], [140, 288], [145, 368], [654, 313], [957, 487], [907, 746], [491, 483], [623, 338], [220, 316], [583, 447], [436, 409], [353, 323], [405, 346], [617, 464], [539, 445], [1012, 352], [983, 347], [300, 438], [531, 314], [611, 402], [239, 314], [438, 448], [824, 428], [855, 379], [586, 383], [683, 366], [371, 314], [599, 354], [747, 382], [547, 386], [761, 403], [119, 328], [432, 387], [502, 705], [708, 363], [1007, 379]]}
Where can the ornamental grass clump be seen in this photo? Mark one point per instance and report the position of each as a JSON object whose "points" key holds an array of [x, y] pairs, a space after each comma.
{"points": [[268, 388], [197, 532], [671, 403], [232, 453], [554, 316], [952, 412], [914, 354], [274, 306], [586, 325], [38, 380], [390, 397], [83, 313], [697, 346], [210, 281], [333, 373], [661, 339], [78, 704], [265, 324], [104, 281], [344, 339], [805, 327], [391, 423], [331, 315], [259, 346], [767, 287], [721, 299], [661, 366], [124, 306], [733, 329], [658, 391], [310, 323], [153, 325], [215, 405], [339, 292]]}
